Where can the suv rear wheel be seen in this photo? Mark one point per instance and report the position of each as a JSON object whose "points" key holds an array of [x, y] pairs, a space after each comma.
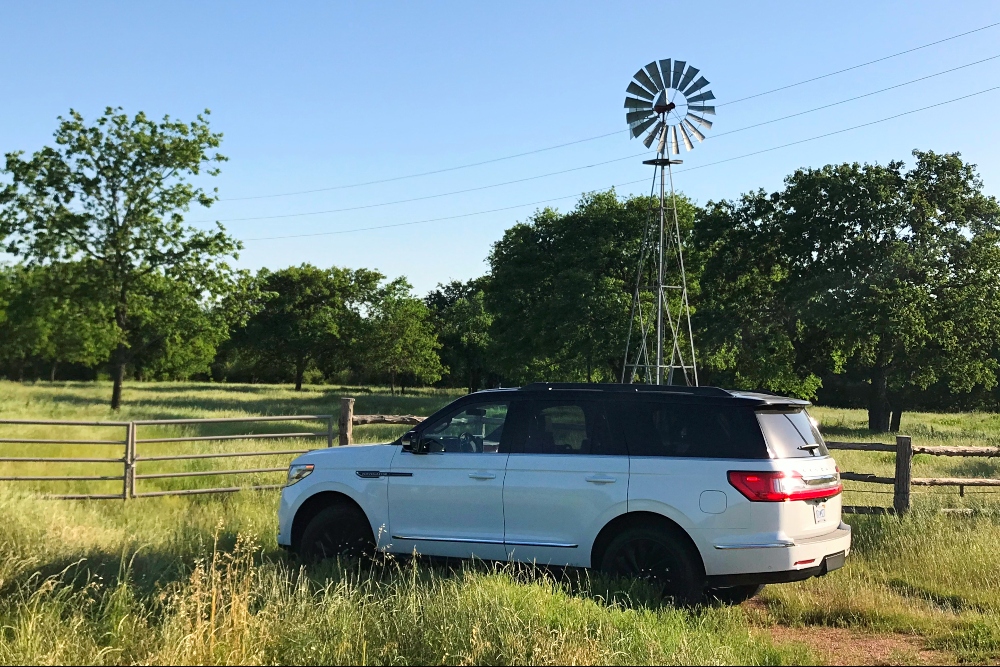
{"points": [[337, 531], [734, 594], [659, 559]]}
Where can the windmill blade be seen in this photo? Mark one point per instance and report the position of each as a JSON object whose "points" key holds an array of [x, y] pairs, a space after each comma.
{"points": [[702, 109], [645, 81], [636, 116], [665, 72], [654, 74], [660, 147], [687, 140], [633, 103], [696, 86], [703, 97], [639, 91], [674, 147], [707, 124], [691, 73], [652, 135], [641, 127], [693, 130], [679, 66]]}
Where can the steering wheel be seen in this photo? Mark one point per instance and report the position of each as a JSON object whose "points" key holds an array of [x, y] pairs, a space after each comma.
{"points": [[468, 443]]}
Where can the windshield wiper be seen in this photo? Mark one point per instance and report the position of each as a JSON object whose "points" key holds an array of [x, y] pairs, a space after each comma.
{"points": [[809, 448]]}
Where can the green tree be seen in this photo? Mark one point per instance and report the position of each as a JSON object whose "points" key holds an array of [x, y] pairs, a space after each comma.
{"points": [[890, 275], [462, 322], [111, 196], [308, 317], [561, 287], [39, 323], [401, 338]]}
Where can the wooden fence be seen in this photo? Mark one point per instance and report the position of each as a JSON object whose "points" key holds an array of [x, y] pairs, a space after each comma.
{"points": [[903, 481]]}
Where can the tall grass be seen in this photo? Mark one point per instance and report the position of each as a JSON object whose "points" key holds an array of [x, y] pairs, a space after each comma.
{"points": [[201, 580]]}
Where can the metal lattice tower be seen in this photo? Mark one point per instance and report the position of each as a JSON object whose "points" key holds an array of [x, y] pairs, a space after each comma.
{"points": [[666, 97]]}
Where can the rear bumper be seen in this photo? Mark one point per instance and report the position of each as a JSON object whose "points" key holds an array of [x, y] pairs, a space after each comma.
{"points": [[783, 561]]}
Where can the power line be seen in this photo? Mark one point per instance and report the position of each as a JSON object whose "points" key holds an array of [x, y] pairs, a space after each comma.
{"points": [[835, 132], [450, 217], [601, 136], [442, 194], [738, 157], [597, 164], [854, 67]]}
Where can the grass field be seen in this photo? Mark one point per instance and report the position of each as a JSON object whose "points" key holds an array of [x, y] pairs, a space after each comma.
{"points": [[201, 580]]}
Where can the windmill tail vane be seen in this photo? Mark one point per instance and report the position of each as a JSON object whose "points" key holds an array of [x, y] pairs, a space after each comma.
{"points": [[668, 101]]}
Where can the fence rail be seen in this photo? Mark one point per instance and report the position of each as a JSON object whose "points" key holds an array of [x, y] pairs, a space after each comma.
{"points": [[903, 480], [131, 457]]}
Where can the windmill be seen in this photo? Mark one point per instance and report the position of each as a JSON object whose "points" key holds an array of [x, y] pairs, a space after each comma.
{"points": [[669, 99]]}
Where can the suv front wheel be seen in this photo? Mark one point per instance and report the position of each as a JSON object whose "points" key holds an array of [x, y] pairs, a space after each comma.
{"points": [[336, 531], [656, 557]]}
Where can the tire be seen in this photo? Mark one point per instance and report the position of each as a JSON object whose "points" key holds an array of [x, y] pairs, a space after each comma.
{"points": [[337, 532], [658, 558], [734, 595]]}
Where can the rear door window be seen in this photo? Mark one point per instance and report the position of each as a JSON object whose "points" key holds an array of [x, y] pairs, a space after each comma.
{"points": [[564, 427], [692, 430], [791, 434]]}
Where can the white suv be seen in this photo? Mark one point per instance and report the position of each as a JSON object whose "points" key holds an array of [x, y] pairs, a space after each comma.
{"points": [[697, 490]]}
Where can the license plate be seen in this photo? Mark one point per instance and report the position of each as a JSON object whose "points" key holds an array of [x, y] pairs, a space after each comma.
{"points": [[819, 512]]}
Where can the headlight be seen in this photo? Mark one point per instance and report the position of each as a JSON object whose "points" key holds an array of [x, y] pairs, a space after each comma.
{"points": [[299, 472]]}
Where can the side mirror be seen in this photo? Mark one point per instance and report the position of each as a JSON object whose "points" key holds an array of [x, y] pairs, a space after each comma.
{"points": [[411, 443]]}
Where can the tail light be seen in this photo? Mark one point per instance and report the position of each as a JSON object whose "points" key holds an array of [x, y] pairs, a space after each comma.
{"points": [[778, 487]]}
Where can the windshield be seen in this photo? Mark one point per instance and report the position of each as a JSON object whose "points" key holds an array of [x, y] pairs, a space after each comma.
{"points": [[791, 434]]}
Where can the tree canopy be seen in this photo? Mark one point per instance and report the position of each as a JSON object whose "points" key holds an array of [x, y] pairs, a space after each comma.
{"points": [[110, 198], [889, 275]]}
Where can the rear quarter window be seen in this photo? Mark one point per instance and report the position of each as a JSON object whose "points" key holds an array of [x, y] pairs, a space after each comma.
{"points": [[791, 434], [691, 430]]}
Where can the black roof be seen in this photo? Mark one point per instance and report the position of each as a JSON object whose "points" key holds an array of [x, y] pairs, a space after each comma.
{"points": [[716, 393]]}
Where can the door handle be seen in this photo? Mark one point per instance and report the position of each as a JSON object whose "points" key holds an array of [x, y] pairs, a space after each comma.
{"points": [[482, 475], [601, 479]]}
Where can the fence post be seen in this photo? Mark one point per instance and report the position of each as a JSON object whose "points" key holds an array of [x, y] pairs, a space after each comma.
{"points": [[329, 431], [904, 472], [346, 421], [128, 484]]}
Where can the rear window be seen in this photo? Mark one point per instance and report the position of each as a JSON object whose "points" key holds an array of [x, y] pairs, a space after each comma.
{"points": [[791, 434], [692, 431]]}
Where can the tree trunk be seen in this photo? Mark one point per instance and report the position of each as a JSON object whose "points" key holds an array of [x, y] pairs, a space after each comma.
{"points": [[118, 374], [392, 383], [300, 370], [897, 415], [52, 372], [590, 371], [878, 402]]}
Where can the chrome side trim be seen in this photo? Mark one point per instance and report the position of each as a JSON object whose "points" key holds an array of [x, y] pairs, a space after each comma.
{"points": [[464, 540], [766, 545], [554, 545], [458, 540]]}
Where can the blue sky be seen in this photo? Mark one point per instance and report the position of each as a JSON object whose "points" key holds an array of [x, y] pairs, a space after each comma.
{"points": [[314, 95]]}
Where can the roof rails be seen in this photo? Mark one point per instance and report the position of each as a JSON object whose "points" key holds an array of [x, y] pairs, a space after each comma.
{"points": [[630, 388]]}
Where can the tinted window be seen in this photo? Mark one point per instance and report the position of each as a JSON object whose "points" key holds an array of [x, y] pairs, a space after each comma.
{"points": [[692, 430], [474, 429], [565, 427], [791, 434]]}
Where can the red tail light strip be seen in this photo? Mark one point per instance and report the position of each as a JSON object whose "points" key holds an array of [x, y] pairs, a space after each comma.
{"points": [[779, 487]]}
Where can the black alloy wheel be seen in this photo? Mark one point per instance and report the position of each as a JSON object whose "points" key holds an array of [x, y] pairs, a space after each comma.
{"points": [[733, 595], [659, 559], [337, 532]]}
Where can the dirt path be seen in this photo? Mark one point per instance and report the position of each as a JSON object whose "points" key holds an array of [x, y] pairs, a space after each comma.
{"points": [[840, 646]]}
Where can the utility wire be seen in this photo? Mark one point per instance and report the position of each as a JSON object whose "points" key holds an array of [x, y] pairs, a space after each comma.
{"points": [[543, 201], [835, 132], [596, 164], [602, 136], [854, 67]]}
